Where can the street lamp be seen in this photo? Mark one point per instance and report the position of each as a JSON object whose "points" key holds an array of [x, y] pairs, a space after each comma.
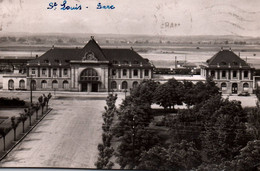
{"points": [[31, 90]]}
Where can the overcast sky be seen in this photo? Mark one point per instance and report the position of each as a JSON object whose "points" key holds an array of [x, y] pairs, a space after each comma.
{"points": [[156, 17]]}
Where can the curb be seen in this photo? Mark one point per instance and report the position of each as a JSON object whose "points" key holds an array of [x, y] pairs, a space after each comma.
{"points": [[21, 139]]}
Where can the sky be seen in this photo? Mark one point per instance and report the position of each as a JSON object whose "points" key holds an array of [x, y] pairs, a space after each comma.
{"points": [[149, 17]]}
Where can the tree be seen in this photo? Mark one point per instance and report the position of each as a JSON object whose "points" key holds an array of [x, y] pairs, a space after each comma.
{"points": [[37, 108], [3, 133], [132, 131], [144, 92], [105, 151], [46, 99], [14, 124], [169, 94], [249, 157], [178, 156], [226, 126], [23, 118], [42, 102], [29, 112], [154, 159]]}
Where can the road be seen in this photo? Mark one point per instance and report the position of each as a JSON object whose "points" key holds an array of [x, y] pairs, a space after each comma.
{"points": [[67, 137]]}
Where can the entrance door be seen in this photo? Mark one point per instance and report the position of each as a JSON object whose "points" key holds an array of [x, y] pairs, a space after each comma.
{"points": [[84, 87], [94, 87], [234, 88]]}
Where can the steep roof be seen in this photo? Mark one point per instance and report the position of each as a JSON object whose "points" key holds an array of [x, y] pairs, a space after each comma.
{"points": [[91, 46], [63, 55], [124, 55], [56, 56], [226, 58]]}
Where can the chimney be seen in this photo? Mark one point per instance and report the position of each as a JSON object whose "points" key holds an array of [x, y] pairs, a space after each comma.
{"points": [[36, 56], [131, 48], [230, 49], [221, 48], [52, 47], [92, 37]]}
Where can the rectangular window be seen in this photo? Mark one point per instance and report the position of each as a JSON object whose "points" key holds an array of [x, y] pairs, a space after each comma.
{"points": [[135, 72], [245, 74], [146, 72], [234, 74], [113, 72], [124, 72], [33, 71], [223, 74], [54, 72], [43, 71], [65, 72], [212, 73]]}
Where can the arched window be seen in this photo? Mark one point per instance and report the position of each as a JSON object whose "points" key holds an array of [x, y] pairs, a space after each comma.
{"points": [[44, 84], [124, 85], [89, 75], [65, 84], [124, 72], [113, 85], [22, 84], [245, 87], [11, 84], [135, 84], [54, 84], [223, 86]]}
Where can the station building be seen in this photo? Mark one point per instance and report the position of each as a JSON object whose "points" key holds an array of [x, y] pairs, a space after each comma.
{"points": [[89, 69], [232, 74]]}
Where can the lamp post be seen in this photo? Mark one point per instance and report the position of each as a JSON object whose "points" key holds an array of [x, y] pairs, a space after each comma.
{"points": [[31, 90]]}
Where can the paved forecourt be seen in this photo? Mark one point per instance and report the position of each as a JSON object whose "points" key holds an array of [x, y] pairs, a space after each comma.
{"points": [[67, 137]]}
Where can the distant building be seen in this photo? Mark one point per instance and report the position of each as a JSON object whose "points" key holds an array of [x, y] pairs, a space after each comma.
{"points": [[231, 73], [92, 69]]}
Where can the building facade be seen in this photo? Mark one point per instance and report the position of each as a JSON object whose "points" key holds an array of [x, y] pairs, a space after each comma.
{"points": [[231, 73], [90, 69]]}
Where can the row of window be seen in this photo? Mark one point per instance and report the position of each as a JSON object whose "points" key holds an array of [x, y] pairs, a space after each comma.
{"points": [[224, 86], [54, 71], [65, 84], [11, 84], [125, 62], [124, 85], [135, 72], [234, 74]]}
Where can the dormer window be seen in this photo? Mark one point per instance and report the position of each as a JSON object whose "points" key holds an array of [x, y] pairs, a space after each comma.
{"points": [[115, 62], [125, 62], [56, 61], [235, 63], [67, 61], [223, 63], [46, 61], [135, 62]]}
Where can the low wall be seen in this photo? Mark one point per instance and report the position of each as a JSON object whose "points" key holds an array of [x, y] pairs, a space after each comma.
{"points": [[9, 138]]}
